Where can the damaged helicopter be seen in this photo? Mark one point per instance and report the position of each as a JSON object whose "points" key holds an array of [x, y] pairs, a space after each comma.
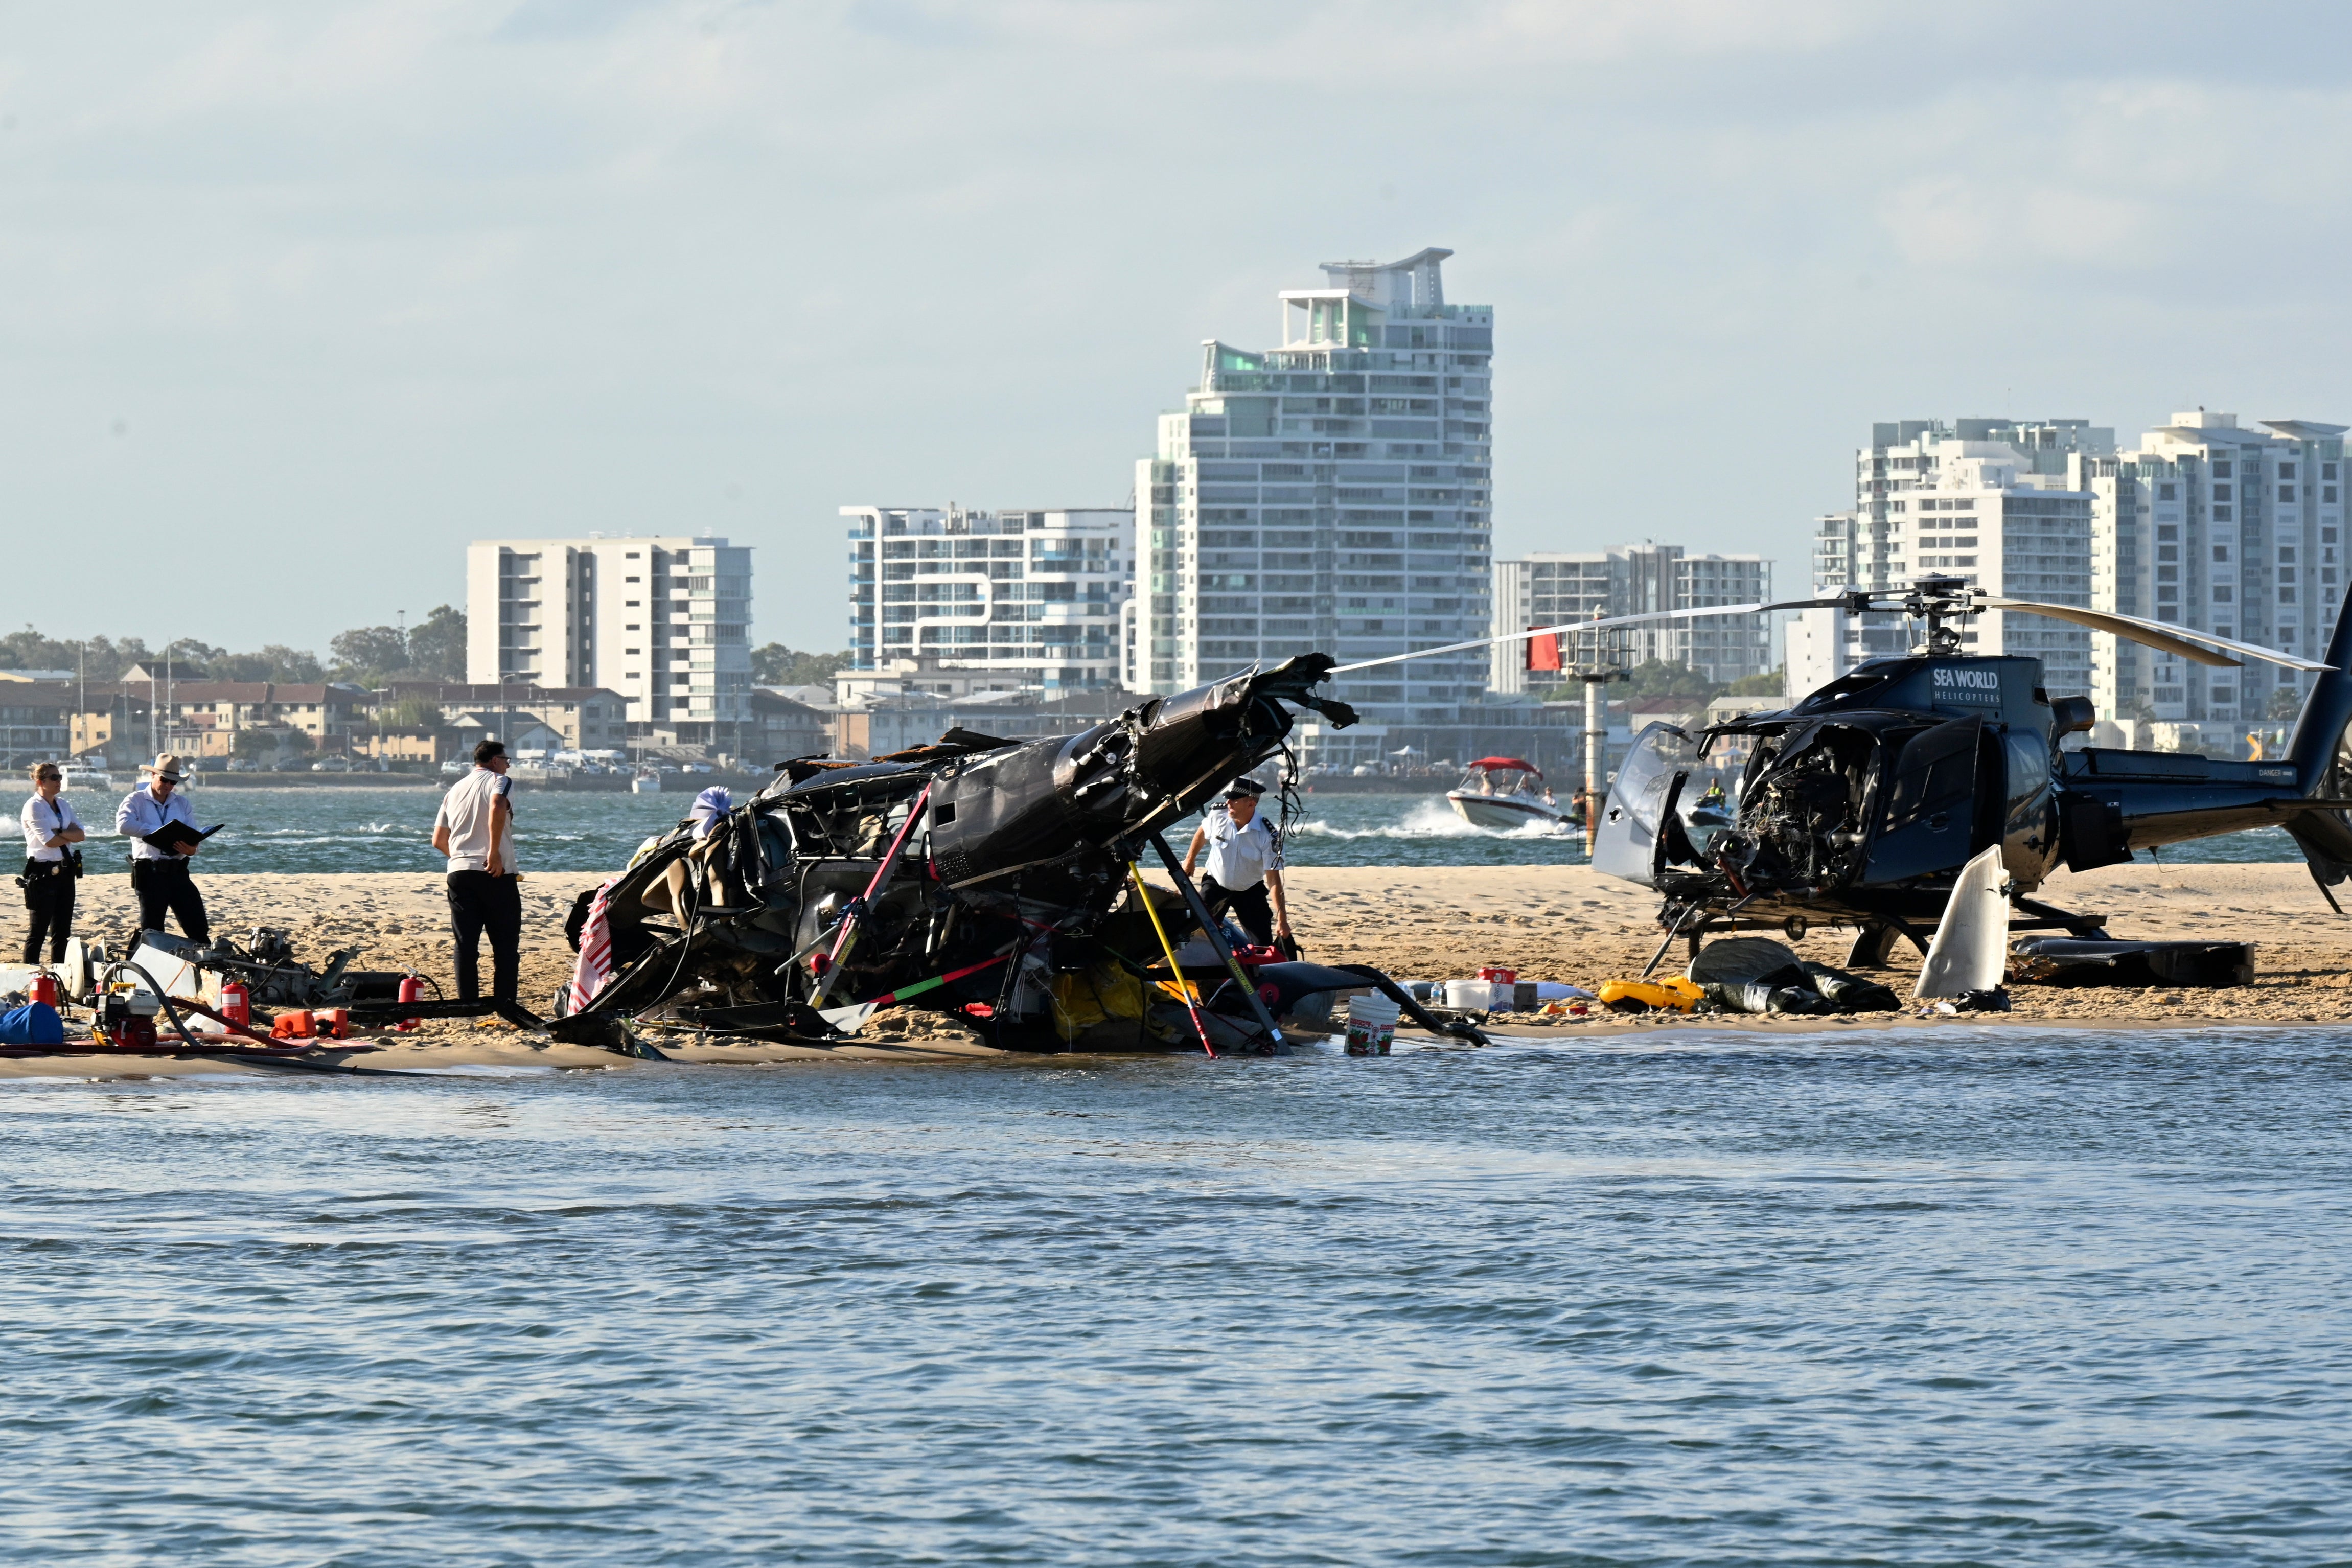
{"points": [[1859, 805], [998, 883]]}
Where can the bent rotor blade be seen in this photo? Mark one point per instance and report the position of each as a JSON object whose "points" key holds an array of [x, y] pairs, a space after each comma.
{"points": [[1568, 627], [2155, 634]]}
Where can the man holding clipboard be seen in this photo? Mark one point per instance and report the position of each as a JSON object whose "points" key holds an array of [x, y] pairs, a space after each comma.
{"points": [[162, 827]]}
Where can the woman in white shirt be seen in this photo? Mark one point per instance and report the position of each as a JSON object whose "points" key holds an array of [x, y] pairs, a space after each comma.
{"points": [[1244, 870], [51, 864]]}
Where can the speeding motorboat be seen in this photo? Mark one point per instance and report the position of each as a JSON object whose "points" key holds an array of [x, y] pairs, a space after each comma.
{"points": [[1504, 792]]}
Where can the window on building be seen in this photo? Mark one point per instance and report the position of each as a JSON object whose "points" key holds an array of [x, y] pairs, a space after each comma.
{"points": [[2220, 552]]}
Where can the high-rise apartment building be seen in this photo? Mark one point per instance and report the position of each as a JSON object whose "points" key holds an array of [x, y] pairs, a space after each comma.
{"points": [[1035, 598], [2235, 532], [1332, 494], [1988, 500], [1550, 587], [665, 621]]}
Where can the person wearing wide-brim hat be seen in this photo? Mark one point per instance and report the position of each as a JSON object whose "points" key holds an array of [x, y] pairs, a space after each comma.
{"points": [[159, 877]]}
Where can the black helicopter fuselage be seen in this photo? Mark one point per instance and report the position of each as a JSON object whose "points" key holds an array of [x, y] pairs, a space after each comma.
{"points": [[1860, 804]]}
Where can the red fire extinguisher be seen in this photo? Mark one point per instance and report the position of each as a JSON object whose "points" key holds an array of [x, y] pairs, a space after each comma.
{"points": [[44, 988], [237, 1003], [411, 990]]}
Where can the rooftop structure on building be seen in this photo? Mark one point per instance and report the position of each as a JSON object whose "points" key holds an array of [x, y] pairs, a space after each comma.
{"points": [[665, 620], [1017, 599], [1331, 493], [1551, 587]]}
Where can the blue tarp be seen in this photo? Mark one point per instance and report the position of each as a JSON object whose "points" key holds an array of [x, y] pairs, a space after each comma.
{"points": [[34, 1023]]}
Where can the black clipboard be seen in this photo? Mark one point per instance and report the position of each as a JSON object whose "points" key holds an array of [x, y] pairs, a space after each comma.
{"points": [[172, 835]]}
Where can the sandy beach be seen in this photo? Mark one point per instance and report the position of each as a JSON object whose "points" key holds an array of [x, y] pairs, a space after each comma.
{"points": [[1552, 922]]}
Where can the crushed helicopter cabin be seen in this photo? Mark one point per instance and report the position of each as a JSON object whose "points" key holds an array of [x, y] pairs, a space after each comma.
{"points": [[997, 883]]}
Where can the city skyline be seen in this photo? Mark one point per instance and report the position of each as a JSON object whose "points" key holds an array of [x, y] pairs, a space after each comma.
{"points": [[302, 280]]}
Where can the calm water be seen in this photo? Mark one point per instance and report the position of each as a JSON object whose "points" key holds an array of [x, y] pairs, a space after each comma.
{"points": [[359, 829], [1966, 1296]]}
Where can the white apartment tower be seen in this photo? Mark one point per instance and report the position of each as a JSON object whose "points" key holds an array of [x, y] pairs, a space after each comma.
{"points": [[1550, 587], [1034, 597], [2238, 532], [665, 621], [1989, 500], [1332, 494]]}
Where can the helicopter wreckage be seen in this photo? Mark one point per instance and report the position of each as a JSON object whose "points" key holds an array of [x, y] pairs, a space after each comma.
{"points": [[997, 883]]}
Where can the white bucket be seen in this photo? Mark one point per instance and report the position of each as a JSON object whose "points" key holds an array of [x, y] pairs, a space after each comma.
{"points": [[1472, 995], [1372, 1025]]}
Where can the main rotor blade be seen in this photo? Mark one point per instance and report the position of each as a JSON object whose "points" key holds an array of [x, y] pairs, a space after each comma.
{"points": [[1567, 626], [2155, 634]]}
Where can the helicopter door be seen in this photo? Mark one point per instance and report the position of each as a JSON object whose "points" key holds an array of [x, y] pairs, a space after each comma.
{"points": [[1627, 843], [1930, 810]]}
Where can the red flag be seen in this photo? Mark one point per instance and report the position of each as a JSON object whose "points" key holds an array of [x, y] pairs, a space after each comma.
{"points": [[1543, 651]]}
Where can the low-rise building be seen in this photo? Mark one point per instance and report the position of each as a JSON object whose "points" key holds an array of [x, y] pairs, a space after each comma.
{"points": [[519, 730], [32, 727], [588, 717], [783, 727]]}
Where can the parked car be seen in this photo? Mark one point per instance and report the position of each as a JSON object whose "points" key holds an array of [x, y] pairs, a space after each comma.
{"points": [[243, 765], [332, 766], [456, 765]]}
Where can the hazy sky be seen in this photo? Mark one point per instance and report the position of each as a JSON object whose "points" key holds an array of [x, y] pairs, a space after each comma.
{"points": [[296, 299]]}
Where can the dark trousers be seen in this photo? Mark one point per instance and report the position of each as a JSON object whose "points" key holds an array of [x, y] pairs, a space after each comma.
{"points": [[50, 900], [1250, 907], [478, 903], [165, 885]]}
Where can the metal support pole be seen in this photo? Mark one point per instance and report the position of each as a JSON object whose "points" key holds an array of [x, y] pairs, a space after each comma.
{"points": [[1193, 901], [1594, 735]]}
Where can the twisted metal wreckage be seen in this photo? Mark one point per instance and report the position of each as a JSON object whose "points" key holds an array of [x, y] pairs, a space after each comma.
{"points": [[996, 882]]}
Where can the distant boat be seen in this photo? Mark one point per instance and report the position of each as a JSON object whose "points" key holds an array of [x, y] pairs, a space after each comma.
{"points": [[647, 782], [1504, 792], [88, 778]]}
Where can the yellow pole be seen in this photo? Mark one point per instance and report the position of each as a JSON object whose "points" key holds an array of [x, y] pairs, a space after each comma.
{"points": [[1184, 986]]}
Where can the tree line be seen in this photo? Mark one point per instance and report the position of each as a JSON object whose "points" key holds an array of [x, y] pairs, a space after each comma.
{"points": [[432, 649], [776, 665]]}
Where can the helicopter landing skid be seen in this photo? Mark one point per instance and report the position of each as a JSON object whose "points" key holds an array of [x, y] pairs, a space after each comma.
{"points": [[1874, 942], [1875, 937]]}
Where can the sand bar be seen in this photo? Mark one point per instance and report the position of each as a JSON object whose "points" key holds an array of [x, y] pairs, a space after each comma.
{"points": [[1550, 923]]}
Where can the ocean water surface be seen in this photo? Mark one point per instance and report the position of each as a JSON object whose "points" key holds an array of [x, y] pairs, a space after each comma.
{"points": [[1959, 1295], [354, 828]]}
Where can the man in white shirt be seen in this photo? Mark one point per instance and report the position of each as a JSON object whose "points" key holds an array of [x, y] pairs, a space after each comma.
{"points": [[474, 828], [1244, 865], [51, 829], [158, 877]]}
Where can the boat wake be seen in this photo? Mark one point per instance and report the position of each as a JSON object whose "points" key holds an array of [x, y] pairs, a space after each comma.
{"points": [[1432, 819]]}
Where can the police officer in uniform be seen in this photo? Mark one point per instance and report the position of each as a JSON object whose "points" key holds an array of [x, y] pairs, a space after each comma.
{"points": [[1244, 870], [158, 877], [51, 863]]}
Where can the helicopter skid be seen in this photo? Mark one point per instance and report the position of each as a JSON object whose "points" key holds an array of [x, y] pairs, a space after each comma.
{"points": [[1881, 917]]}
